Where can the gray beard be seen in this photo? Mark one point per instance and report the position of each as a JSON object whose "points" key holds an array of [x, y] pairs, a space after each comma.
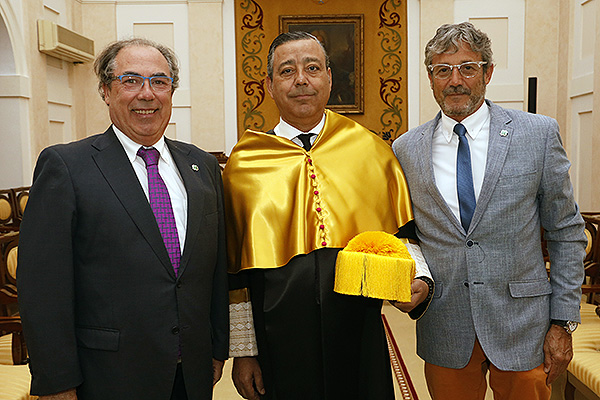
{"points": [[463, 111]]}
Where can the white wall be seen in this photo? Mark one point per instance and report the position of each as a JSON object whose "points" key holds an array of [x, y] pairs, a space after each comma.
{"points": [[15, 162], [581, 94]]}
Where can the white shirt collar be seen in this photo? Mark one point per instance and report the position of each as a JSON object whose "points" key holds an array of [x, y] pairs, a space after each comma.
{"points": [[474, 122], [132, 147], [287, 131]]}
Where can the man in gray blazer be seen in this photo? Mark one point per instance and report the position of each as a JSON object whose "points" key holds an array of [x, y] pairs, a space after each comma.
{"points": [[480, 199], [122, 270]]}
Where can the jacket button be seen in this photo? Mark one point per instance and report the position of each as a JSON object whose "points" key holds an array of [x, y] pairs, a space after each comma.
{"points": [[178, 284], [175, 330], [466, 284], [469, 243]]}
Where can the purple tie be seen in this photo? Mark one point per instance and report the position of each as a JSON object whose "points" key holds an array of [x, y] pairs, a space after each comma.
{"points": [[160, 201]]}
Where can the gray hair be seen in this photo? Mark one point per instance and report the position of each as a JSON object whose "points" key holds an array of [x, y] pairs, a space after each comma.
{"points": [[291, 37], [104, 65], [450, 37]]}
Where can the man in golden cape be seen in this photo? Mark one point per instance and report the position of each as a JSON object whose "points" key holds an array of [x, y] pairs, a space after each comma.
{"points": [[294, 197]]}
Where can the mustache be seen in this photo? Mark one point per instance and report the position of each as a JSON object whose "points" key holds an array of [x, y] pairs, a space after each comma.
{"points": [[456, 90], [302, 92]]}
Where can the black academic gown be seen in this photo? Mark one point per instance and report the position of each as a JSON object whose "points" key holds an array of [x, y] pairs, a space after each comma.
{"points": [[317, 344]]}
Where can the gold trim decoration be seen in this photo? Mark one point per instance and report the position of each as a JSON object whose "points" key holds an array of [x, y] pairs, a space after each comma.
{"points": [[253, 80], [407, 389], [391, 90]]}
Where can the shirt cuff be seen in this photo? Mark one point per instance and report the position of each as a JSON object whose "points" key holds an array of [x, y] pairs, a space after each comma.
{"points": [[421, 267], [419, 310]]}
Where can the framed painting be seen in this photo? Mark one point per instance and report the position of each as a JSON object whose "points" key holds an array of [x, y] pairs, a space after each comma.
{"points": [[342, 37]]}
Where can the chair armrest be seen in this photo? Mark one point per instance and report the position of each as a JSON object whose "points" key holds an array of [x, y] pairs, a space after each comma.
{"points": [[8, 294], [590, 288]]}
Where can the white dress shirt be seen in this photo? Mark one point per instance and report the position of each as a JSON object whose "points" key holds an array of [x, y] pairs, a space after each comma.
{"points": [[444, 152], [168, 172], [287, 131]]}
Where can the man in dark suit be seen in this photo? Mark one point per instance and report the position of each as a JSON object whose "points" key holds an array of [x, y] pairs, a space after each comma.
{"points": [[122, 275], [483, 180]]}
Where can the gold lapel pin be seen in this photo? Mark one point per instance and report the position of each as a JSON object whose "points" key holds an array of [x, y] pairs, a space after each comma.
{"points": [[503, 133], [195, 167]]}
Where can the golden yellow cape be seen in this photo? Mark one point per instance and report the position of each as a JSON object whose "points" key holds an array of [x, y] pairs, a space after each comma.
{"points": [[281, 201]]}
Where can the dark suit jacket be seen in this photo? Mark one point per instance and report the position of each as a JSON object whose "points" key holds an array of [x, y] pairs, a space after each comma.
{"points": [[102, 309]]}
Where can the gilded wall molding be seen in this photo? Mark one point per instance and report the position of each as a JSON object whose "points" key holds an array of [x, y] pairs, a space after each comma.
{"points": [[251, 43], [390, 70]]}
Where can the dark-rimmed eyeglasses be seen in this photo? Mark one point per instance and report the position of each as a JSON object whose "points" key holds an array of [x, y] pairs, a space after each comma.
{"points": [[467, 69], [134, 83]]}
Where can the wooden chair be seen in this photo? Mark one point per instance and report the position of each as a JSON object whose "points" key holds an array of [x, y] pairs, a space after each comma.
{"points": [[15, 379], [20, 198], [591, 285], [582, 369], [9, 246], [221, 158], [591, 289], [7, 211], [12, 206], [590, 233], [12, 341], [10, 322]]}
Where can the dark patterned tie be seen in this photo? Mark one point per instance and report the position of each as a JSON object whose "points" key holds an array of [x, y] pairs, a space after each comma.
{"points": [[464, 177], [305, 139], [160, 202]]}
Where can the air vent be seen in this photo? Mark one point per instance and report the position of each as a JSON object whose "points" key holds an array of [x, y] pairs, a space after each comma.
{"points": [[60, 42]]}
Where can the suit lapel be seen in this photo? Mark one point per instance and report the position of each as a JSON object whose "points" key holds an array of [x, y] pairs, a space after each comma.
{"points": [[190, 170], [118, 172], [501, 133], [425, 152]]}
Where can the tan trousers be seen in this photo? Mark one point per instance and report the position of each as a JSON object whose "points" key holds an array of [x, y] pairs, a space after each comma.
{"points": [[469, 383]]}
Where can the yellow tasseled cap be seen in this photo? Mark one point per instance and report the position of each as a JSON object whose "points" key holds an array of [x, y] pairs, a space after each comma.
{"points": [[375, 264]]}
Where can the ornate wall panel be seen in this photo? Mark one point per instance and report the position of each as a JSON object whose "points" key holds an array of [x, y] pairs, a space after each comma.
{"points": [[385, 50], [392, 90], [252, 67]]}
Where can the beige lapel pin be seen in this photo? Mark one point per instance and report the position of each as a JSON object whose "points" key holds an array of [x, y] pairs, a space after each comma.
{"points": [[195, 167], [503, 133]]}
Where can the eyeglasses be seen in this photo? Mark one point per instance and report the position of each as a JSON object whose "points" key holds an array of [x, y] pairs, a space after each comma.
{"points": [[134, 83], [467, 69]]}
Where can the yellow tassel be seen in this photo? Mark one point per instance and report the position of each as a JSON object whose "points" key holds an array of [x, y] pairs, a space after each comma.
{"points": [[381, 243], [375, 264]]}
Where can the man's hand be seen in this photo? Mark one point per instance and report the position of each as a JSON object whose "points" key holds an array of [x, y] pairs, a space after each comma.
{"points": [[217, 370], [70, 394], [419, 290], [247, 377], [558, 352]]}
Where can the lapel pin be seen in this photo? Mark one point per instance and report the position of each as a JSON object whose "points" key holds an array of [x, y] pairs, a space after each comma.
{"points": [[503, 133], [195, 167]]}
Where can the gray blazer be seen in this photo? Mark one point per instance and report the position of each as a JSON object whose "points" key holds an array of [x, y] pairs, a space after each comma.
{"points": [[491, 282]]}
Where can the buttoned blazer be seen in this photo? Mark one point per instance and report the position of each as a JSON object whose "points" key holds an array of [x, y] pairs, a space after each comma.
{"points": [[101, 306], [491, 282]]}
